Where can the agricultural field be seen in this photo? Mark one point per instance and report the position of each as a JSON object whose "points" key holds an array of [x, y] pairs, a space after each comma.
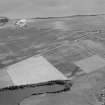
{"points": [[65, 42]]}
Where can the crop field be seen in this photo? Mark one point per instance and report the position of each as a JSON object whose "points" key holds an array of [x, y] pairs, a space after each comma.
{"points": [[62, 41]]}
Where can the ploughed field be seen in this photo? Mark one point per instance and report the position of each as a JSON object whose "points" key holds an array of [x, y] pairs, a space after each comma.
{"points": [[62, 41], [53, 38]]}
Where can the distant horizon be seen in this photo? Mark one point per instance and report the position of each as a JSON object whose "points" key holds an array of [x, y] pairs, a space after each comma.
{"points": [[68, 16], [50, 8]]}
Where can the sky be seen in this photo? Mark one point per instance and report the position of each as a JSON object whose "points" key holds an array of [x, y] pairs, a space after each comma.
{"points": [[45, 8]]}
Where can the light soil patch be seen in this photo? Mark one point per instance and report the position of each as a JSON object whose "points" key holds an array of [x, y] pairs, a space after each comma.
{"points": [[60, 26], [33, 70], [91, 64]]}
